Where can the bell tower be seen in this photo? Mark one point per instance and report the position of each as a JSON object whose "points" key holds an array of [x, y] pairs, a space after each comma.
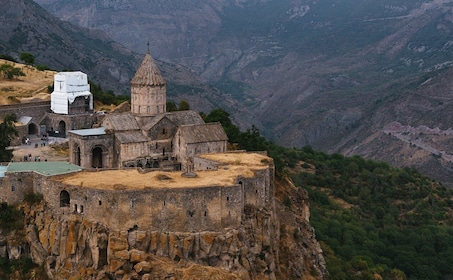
{"points": [[148, 89]]}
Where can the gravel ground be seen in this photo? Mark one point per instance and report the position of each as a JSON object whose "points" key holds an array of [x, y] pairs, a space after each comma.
{"points": [[51, 151]]}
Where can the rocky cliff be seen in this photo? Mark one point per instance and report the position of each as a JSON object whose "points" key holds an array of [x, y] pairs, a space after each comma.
{"points": [[264, 247]]}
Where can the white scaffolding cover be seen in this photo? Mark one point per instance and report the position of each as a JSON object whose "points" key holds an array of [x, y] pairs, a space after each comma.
{"points": [[67, 87]]}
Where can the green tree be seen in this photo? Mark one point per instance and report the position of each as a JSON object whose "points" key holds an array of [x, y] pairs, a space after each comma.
{"points": [[9, 72], [28, 58], [7, 133], [183, 105], [171, 106], [220, 115]]}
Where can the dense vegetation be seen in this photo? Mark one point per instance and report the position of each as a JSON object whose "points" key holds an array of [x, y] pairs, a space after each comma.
{"points": [[9, 72], [106, 97], [374, 218], [7, 132], [371, 219], [12, 221]]}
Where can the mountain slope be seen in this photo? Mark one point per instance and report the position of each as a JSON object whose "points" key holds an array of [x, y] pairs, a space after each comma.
{"points": [[330, 74], [26, 27], [60, 45]]}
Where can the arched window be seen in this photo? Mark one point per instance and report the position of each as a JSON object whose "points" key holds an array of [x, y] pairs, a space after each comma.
{"points": [[65, 199]]}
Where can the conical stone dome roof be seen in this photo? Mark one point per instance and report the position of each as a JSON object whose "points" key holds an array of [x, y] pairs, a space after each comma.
{"points": [[148, 74]]}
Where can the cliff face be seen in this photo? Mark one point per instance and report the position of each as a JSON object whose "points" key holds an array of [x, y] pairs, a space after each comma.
{"points": [[263, 247]]}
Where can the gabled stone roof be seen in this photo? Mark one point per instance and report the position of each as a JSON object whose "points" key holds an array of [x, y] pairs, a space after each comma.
{"points": [[148, 74], [120, 122], [187, 117], [179, 118], [126, 137], [201, 133]]}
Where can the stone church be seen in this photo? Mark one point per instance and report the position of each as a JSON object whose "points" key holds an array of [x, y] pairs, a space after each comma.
{"points": [[147, 136]]}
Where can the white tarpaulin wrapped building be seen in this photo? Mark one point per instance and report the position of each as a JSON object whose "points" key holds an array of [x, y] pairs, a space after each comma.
{"points": [[71, 94]]}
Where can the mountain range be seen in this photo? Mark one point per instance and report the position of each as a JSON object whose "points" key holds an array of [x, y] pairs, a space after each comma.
{"points": [[371, 78]]}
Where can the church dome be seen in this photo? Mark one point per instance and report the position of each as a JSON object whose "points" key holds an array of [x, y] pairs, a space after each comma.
{"points": [[148, 74]]}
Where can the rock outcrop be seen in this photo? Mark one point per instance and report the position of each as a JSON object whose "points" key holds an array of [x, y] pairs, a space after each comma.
{"points": [[264, 247]]}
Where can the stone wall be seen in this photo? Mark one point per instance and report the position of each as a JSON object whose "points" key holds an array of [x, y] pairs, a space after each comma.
{"points": [[186, 209], [148, 100], [133, 150], [64, 123], [86, 144], [43, 120], [80, 105], [205, 164], [168, 209], [33, 109], [14, 186]]}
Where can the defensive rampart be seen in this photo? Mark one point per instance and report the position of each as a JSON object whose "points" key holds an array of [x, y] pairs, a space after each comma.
{"points": [[163, 201]]}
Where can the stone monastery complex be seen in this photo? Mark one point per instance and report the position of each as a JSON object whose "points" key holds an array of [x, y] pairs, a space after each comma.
{"points": [[145, 169]]}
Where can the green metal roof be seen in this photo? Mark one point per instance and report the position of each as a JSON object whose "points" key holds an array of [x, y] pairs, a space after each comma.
{"points": [[47, 168]]}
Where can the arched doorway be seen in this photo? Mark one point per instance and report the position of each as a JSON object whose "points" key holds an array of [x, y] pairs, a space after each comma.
{"points": [[62, 128], [65, 199], [77, 155], [32, 129], [96, 161]]}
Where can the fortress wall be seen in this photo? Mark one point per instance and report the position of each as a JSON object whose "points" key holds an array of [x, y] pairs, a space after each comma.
{"points": [[209, 208], [32, 109], [14, 186], [257, 189], [232, 205]]}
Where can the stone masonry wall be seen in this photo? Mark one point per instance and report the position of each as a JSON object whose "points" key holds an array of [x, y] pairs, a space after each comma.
{"points": [[15, 186], [33, 109], [168, 209], [183, 209]]}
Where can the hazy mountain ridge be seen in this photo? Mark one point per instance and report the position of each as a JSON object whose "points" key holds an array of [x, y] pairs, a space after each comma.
{"points": [[323, 73], [26, 27]]}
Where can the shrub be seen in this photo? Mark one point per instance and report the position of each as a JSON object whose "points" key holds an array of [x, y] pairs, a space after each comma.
{"points": [[33, 198], [287, 202], [10, 218]]}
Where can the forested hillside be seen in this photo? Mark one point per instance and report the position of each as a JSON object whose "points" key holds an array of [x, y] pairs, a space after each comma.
{"points": [[371, 219]]}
